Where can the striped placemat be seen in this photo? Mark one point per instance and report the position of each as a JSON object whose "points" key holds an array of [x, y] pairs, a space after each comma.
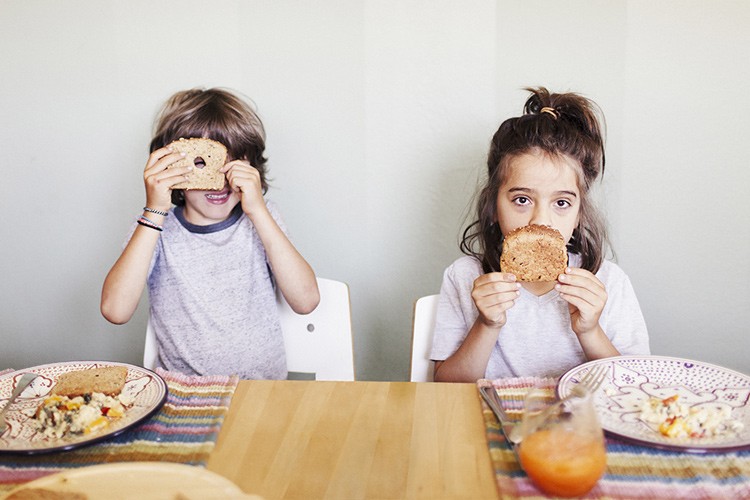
{"points": [[183, 431], [633, 472]]}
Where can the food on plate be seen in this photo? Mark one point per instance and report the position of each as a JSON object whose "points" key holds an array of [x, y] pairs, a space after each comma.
{"points": [[563, 462], [61, 416], [207, 156], [108, 380], [534, 253], [45, 494], [83, 401], [679, 420]]}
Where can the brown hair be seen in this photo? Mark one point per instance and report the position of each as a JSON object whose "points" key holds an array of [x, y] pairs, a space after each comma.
{"points": [[553, 124], [217, 114]]}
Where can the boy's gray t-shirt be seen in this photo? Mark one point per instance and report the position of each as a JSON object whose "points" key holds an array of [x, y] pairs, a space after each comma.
{"points": [[213, 301], [537, 339]]}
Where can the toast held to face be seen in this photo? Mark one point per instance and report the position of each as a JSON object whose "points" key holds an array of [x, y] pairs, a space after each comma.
{"points": [[534, 253], [207, 157]]}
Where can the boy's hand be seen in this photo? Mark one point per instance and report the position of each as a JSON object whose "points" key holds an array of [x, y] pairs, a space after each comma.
{"points": [[245, 180], [586, 297], [159, 179], [494, 294]]}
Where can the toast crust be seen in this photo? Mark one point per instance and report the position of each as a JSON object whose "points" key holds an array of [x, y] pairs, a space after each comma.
{"points": [[534, 253], [213, 153], [45, 494]]}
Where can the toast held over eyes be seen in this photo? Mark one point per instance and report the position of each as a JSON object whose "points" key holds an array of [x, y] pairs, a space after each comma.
{"points": [[207, 157]]}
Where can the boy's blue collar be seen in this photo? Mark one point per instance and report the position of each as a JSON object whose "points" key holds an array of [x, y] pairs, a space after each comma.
{"points": [[234, 216]]}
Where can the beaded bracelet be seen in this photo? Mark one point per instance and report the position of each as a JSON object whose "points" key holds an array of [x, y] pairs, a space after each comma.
{"points": [[144, 221], [157, 212]]}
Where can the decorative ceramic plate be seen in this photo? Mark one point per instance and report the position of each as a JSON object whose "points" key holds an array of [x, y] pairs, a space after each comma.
{"points": [[148, 390], [633, 380], [142, 480]]}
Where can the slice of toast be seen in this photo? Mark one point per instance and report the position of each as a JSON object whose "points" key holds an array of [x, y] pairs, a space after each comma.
{"points": [[205, 175], [534, 253], [108, 380]]}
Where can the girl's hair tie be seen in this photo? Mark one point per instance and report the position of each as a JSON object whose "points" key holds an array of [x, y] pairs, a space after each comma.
{"points": [[551, 111]]}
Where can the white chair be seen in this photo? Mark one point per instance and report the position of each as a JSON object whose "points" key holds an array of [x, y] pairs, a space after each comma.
{"points": [[319, 343], [422, 367], [150, 350]]}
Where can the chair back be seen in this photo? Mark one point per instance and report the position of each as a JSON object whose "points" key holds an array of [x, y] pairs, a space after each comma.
{"points": [[150, 350], [319, 344], [425, 310]]}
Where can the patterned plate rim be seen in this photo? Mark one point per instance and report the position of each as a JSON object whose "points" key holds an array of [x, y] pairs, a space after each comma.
{"points": [[689, 447], [155, 407]]}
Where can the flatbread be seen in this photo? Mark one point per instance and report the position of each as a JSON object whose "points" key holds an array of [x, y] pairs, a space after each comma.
{"points": [[534, 253], [108, 380]]}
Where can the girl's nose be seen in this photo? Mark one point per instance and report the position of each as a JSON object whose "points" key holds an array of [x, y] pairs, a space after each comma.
{"points": [[541, 216]]}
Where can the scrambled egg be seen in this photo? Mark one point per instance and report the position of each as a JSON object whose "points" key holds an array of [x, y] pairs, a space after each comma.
{"points": [[61, 416], [678, 420]]}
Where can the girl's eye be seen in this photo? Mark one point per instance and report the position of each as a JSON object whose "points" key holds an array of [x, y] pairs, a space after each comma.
{"points": [[521, 200], [562, 203]]}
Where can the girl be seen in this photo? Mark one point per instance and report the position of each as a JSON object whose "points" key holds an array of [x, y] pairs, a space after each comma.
{"points": [[211, 262], [541, 169]]}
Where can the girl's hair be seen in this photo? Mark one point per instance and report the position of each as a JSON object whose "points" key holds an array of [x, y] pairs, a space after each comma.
{"points": [[216, 114], [555, 125]]}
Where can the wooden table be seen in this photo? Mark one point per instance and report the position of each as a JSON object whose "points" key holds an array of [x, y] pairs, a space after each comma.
{"points": [[305, 439]]}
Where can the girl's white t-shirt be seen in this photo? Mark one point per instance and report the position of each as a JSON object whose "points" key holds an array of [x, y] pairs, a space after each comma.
{"points": [[537, 339]]}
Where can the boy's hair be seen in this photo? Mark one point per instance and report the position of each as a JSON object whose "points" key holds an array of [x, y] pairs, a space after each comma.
{"points": [[217, 114], [555, 125]]}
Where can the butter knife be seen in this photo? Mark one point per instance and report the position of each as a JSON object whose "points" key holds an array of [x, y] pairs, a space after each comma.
{"points": [[25, 380], [512, 435]]}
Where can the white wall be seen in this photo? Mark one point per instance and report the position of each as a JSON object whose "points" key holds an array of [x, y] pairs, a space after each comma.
{"points": [[378, 115]]}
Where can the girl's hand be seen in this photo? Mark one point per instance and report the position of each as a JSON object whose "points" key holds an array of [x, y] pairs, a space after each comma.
{"points": [[586, 297], [159, 180], [494, 294], [245, 180]]}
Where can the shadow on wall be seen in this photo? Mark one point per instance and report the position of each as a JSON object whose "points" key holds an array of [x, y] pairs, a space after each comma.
{"points": [[383, 311]]}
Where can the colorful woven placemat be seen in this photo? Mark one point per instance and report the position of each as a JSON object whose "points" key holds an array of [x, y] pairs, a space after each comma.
{"points": [[633, 472], [184, 431]]}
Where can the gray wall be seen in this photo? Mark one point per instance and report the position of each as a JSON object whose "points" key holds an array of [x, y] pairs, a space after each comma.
{"points": [[379, 115]]}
